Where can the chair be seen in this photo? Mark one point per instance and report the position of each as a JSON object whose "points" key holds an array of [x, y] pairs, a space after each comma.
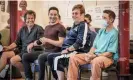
{"points": [[14, 72], [113, 67], [35, 69], [84, 67], [11, 67], [10, 71]]}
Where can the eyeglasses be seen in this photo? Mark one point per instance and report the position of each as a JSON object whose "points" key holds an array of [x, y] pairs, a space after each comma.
{"points": [[75, 13]]}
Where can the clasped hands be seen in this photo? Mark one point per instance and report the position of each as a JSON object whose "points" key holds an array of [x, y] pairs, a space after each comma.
{"points": [[89, 56], [6, 48]]}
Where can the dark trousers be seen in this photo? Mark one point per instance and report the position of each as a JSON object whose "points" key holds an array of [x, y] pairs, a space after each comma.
{"points": [[42, 59], [27, 59], [30, 58], [51, 57]]}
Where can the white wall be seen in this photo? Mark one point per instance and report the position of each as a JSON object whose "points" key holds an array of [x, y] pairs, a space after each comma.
{"points": [[4, 16], [41, 9]]}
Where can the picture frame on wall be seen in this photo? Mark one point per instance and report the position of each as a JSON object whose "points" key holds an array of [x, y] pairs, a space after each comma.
{"points": [[2, 5]]}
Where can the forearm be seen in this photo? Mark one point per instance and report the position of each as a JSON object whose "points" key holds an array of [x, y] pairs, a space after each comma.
{"points": [[106, 54], [71, 48], [92, 50], [11, 46], [55, 43]]}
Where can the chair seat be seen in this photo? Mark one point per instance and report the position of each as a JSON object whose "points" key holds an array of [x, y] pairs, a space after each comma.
{"points": [[86, 66], [35, 66]]}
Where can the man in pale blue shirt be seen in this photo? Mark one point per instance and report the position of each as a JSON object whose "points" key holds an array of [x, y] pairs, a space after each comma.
{"points": [[103, 53]]}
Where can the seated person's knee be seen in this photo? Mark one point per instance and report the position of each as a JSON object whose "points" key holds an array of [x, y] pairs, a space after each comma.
{"points": [[13, 61], [4, 54], [96, 61]]}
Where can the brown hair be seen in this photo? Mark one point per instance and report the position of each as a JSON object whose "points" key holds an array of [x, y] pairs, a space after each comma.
{"points": [[54, 8], [88, 16], [110, 13], [80, 7], [29, 12]]}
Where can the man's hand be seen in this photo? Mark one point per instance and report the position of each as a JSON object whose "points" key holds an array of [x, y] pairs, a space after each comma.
{"points": [[35, 43], [89, 57], [29, 47], [64, 51], [43, 40], [6, 48]]}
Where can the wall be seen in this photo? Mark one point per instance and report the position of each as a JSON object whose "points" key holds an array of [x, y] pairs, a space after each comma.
{"points": [[4, 16], [41, 8]]}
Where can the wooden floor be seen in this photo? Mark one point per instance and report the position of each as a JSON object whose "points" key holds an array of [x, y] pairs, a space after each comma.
{"points": [[85, 76]]}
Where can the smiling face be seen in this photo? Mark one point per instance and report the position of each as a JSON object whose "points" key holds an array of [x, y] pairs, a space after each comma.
{"points": [[30, 19], [76, 15], [53, 16], [23, 5]]}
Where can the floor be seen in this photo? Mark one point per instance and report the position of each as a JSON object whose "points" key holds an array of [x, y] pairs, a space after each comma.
{"points": [[84, 76]]}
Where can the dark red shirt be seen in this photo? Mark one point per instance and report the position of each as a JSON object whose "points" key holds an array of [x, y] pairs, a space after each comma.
{"points": [[54, 32]]}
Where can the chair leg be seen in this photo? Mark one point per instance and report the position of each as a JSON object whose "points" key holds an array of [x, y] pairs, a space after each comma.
{"points": [[79, 78], [46, 68], [117, 74], [101, 74], [34, 72], [49, 73], [10, 71]]}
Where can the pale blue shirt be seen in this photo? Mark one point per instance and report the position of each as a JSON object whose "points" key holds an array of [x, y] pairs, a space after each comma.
{"points": [[107, 42]]}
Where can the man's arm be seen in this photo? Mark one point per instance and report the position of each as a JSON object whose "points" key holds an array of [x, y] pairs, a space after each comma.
{"points": [[92, 50], [81, 37], [106, 54], [10, 47], [57, 43]]}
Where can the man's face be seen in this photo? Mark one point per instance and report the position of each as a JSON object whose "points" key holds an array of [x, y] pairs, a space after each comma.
{"points": [[107, 18], [53, 16], [76, 15], [30, 19]]}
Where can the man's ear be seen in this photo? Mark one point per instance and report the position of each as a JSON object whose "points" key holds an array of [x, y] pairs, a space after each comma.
{"points": [[112, 20]]}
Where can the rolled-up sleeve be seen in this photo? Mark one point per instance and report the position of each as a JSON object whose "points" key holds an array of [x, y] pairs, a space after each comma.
{"points": [[18, 39], [40, 32]]}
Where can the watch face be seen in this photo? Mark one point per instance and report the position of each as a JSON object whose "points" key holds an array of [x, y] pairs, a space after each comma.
{"points": [[1, 48]]}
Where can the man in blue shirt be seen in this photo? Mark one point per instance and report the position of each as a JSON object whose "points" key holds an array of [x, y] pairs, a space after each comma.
{"points": [[103, 52]]}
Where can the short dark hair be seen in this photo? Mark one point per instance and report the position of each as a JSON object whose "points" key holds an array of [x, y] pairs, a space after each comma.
{"points": [[29, 12], [53, 8], [110, 13], [88, 16], [80, 7]]}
